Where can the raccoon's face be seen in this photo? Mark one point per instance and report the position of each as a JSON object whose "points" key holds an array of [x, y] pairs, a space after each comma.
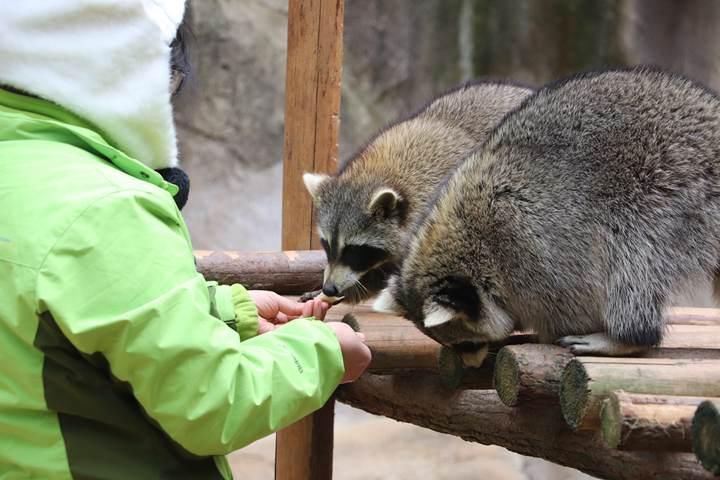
{"points": [[452, 311], [360, 231]]}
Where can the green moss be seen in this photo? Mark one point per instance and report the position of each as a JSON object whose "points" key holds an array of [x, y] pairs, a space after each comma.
{"points": [[451, 368], [507, 377], [706, 436], [573, 393]]}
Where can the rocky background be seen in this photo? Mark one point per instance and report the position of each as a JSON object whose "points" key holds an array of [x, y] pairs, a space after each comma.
{"points": [[398, 54]]}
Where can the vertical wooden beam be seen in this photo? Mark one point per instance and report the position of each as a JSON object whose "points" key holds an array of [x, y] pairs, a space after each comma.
{"points": [[304, 450], [312, 110]]}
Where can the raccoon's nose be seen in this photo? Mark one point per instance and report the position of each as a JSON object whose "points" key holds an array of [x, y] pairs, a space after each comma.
{"points": [[330, 290]]}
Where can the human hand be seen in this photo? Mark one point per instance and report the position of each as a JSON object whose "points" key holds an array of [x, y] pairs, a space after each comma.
{"points": [[356, 355], [274, 309]]}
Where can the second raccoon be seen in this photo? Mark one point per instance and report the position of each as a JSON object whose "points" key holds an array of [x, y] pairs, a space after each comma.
{"points": [[585, 210], [365, 213]]}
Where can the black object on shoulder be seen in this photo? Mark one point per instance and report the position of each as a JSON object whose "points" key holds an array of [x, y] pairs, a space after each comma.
{"points": [[178, 177]]}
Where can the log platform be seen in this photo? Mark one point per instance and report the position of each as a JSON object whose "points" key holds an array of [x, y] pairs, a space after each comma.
{"points": [[644, 417]]}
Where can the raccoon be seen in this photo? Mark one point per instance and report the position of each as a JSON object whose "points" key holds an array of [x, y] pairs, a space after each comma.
{"points": [[584, 211], [366, 211]]}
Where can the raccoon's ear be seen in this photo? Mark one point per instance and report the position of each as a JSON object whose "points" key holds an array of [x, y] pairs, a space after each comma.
{"points": [[313, 181], [384, 200]]}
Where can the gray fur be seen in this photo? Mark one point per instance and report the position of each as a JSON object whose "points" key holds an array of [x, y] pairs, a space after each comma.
{"points": [[410, 159], [585, 210]]}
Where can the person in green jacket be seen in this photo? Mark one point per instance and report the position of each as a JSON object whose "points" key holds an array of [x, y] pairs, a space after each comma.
{"points": [[118, 360]]}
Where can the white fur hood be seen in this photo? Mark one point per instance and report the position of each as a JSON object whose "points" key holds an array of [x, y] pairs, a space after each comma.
{"points": [[107, 61]]}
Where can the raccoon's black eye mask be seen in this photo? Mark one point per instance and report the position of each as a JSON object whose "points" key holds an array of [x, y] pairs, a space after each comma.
{"points": [[459, 294], [362, 257]]}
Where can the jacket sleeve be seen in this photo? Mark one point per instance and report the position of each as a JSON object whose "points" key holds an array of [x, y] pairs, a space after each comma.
{"points": [[121, 281], [232, 304]]}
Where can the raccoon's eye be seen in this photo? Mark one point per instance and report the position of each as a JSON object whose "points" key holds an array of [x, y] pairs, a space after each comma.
{"points": [[362, 257]]}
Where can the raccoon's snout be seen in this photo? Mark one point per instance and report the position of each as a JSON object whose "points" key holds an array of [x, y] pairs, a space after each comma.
{"points": [[330, 290]]}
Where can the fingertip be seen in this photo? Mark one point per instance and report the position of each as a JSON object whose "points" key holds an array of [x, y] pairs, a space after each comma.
{"points": [[290, 307]]}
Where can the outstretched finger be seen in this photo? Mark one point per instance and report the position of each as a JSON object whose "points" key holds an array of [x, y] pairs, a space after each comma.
{"points": [[290, 307]]}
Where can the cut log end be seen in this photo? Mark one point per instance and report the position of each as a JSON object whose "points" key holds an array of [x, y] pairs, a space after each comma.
{"points": [[451, 368], [706, 436], [574, 394], [507, 377], [455, 375]]}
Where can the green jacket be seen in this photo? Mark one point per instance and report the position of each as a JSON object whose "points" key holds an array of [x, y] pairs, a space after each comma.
{"points": [[112, 364]]}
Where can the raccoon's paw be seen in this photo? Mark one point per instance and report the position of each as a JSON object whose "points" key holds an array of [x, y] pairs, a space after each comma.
{"points": [[598, 344], [307, 296], [475, 359]]}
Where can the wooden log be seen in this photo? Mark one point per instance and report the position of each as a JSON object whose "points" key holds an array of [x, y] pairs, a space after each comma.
{"points": [[632, 421], [398, 347], [480, 416], [395, 343], [290, 272], [587, 381], [693, 316], [706, 435], [692, 336], [532, 373], [529, 372]]}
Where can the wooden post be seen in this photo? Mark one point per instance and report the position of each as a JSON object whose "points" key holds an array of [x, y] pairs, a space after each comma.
{"points": [[303, 451], [312, 110]]}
